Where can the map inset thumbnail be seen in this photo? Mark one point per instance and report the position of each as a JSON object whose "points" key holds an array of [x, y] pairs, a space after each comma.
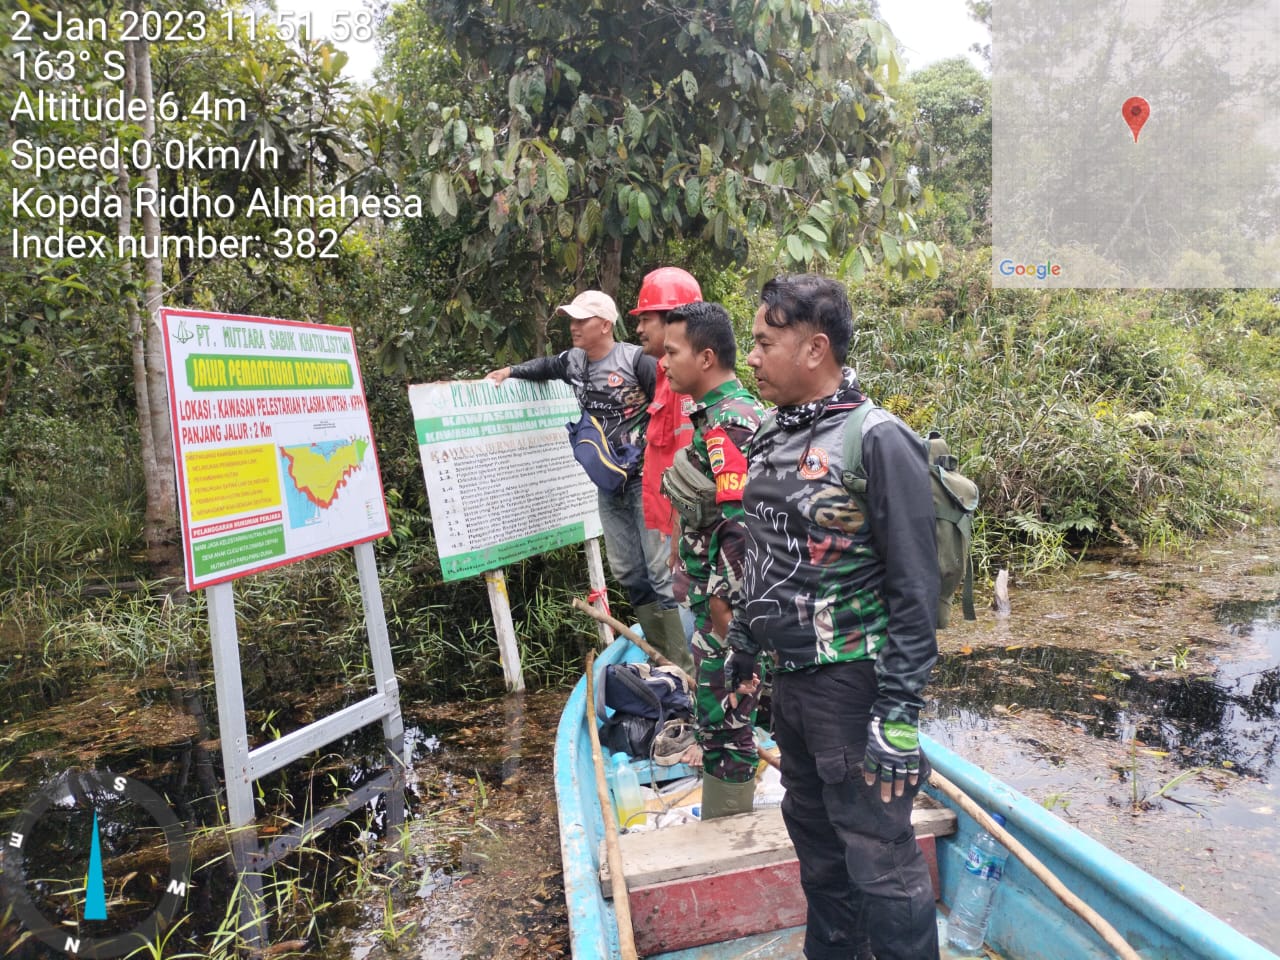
{"points": [[1194, 201]]}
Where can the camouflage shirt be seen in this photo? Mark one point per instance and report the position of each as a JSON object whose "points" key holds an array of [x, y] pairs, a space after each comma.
{"points": [[824, 583], [723, 423]]}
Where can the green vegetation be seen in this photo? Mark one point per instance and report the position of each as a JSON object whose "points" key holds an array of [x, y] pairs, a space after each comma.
{"points": [[1143, 419], [557, 148], [573, 145]]}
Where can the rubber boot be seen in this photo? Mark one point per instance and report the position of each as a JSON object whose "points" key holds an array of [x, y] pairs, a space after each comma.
{"points": [[721, 798], [665, 633], [674, 644]]}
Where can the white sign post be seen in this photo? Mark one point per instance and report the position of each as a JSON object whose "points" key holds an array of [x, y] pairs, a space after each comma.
{"points": [[276, 463], [503, 485]]}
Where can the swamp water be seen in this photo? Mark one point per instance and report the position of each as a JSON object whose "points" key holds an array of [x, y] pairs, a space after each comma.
{"points": [[1137, 701], [1172, 759]]}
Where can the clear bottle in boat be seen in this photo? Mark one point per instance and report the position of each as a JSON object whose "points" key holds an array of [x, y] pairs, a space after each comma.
{"points": [[975, 895], [628, 800]]}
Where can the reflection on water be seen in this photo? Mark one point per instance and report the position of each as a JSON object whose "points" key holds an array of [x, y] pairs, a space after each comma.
{"points": [[1229, 716], [1179, 773]]}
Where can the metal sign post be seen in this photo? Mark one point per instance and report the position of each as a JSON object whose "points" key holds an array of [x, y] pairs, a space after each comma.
{"points": [[275, 462], [244, 766]]}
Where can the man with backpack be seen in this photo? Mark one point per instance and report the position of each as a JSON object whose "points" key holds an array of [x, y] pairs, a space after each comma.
{"points": [[704, 484], [614, 383], [843, 593]]}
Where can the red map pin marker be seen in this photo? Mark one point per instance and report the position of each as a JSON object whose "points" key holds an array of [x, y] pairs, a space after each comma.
{"points": [[1136, 110]]}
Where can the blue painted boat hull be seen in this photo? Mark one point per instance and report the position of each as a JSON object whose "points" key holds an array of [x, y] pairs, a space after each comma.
{"points": [[1029, 923]]}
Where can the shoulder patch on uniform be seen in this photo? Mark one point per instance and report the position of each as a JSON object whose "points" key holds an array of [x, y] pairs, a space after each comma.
{"points": [[727, 463]]}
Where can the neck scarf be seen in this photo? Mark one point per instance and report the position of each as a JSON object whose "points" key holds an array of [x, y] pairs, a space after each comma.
{"points": [[801, 415]]}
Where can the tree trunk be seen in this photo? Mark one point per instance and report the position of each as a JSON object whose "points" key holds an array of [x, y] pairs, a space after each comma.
{"points": [[137, 345], [611, 266], [160, 525], [543, 314]]}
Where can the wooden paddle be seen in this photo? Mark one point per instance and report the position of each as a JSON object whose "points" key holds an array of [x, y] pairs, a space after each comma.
{"points": [[621, 902], [639, 641], [1032, 863]]}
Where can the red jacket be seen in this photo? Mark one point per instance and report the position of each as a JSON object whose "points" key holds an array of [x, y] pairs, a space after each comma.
{"points": [[669, 430]]}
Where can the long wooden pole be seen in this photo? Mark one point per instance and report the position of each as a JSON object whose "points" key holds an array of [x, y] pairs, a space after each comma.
{"points": [[631, 635], [1032, 863], [621, 902]]}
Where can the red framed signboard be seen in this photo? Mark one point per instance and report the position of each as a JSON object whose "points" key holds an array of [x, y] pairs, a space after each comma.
{"points": [[272, 443]]}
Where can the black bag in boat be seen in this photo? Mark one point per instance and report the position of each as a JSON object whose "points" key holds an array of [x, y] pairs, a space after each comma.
{"points": [[643, 698]]}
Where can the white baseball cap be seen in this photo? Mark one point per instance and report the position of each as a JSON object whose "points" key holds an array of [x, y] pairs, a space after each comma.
{"points": [[591, 303]]}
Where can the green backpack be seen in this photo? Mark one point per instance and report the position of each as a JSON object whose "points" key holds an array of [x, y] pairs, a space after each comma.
{"points": [[955, 498]]}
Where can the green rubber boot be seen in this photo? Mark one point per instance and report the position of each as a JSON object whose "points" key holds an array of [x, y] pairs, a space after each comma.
{"points": [[721, 798], [674, 644], [665, 633]]}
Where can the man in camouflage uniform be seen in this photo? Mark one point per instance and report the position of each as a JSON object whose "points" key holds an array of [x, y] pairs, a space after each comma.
{"points": [[701, 353], [847, 604]]}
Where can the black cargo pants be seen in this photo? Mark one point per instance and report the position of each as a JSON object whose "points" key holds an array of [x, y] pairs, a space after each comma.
{"points": [[862, 873]]}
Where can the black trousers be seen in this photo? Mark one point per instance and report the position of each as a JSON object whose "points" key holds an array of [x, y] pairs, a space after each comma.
{"points": [[863, 876]]}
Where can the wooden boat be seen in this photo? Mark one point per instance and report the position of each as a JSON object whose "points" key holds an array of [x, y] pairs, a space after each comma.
{"points": [[690, 899]]}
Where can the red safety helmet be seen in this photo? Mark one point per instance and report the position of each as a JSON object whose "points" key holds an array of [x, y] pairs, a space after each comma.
{"points": [[665, 289]]}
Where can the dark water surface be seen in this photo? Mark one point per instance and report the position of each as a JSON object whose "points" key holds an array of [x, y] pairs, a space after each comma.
{"points": [[1173, 761], [1139, 702]]}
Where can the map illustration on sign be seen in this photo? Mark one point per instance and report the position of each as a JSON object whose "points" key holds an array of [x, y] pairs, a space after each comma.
{"points": [[315, 473], [274, 451]]}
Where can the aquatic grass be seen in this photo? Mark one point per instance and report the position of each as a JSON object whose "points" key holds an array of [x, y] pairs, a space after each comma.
{"points": [[160, 948], [1178, 660], [128, 631], [70, 495], [1165, 789], [1056, 801], [393, 933], [549, 636]]}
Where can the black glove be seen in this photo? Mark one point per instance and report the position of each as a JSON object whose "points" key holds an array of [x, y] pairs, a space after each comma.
{"points": [[740, 656], [738, 637], [893, 756], [739, 668]]}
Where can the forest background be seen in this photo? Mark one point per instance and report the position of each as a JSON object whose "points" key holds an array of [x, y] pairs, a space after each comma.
{"points": [[563, 147], [557, 148]]}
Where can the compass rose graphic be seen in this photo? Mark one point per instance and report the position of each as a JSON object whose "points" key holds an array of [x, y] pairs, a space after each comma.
{"points": [[112, 901]]}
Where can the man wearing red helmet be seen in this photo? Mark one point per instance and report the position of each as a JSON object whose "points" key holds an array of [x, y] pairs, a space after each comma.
{"points": [[669, 428]]}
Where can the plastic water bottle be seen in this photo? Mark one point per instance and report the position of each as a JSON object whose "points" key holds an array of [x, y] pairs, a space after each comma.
{"points": [[975, 896], [628, 801]]}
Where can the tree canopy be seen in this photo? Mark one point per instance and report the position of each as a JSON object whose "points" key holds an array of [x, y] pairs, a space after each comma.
{"points": [[953, 100], [609, 130]]}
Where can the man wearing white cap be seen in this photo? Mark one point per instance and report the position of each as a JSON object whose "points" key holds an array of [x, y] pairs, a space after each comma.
{"points": [[615, 383]]}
